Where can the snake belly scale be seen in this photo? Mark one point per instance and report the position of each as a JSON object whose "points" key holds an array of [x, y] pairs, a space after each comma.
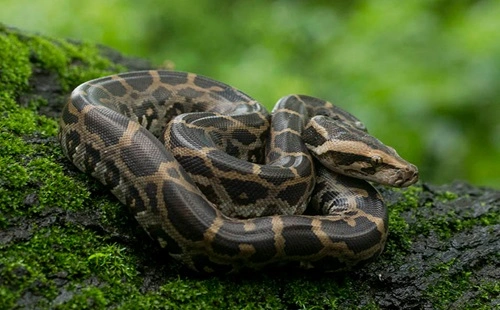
{"points": [[223, 184]]}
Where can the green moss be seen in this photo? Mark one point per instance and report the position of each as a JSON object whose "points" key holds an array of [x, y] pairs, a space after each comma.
{"points": [[63, 254], [14, 64], [446, 196], [448, 289], [400, 231], [27, 168], [30, 169], [32, 182], [13, 174], [73, 64], [90, 63], [323, 294], [12, 145], [88, 298], [450, 286], [48, 56], [112, 263], [449, 223], [486, 292], [425, 220], [22, 122], [55, 189]]}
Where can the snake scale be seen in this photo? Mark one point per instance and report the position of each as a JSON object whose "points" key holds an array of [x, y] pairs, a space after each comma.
{"points": [[222, 183]]}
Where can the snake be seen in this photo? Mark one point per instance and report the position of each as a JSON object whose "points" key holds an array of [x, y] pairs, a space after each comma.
{"points": [[224, 185]]}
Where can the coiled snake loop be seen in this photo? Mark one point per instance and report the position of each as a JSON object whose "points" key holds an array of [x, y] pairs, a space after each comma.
{"points": [[230, 188]]}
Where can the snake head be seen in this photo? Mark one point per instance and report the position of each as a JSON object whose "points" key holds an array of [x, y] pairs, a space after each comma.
{"points": [[347, 150]]}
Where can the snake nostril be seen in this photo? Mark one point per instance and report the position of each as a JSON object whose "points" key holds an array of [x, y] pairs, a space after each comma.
{"points": [[412, 176], [406, 177]]}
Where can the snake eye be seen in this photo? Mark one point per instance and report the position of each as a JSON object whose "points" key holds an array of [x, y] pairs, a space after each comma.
{"points": [[323, 113], [375, 160], [360, 125]]}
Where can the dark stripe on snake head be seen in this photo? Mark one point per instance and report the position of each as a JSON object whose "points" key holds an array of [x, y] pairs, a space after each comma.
{"points": [[346, 159], [338, 131], [373, 169], [316, 106], [311, 136]]}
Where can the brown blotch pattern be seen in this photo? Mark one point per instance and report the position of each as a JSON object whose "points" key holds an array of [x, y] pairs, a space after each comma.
{"points": [[101, 134]]}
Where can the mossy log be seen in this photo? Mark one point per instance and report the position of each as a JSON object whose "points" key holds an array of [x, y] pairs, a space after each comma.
{"points": [[65, 242]]}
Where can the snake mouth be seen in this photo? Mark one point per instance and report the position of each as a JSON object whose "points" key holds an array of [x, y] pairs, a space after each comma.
{"points": [[396, 177], [406, 177]]}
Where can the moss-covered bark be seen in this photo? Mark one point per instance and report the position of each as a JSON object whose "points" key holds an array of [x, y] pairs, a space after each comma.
{"points": [[65, 242]]}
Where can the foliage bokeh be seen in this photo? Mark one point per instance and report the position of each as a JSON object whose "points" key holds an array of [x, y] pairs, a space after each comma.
{"points": [[423, 75]]}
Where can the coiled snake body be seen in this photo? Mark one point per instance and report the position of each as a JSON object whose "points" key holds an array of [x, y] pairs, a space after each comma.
{"points": [[230, 188]]}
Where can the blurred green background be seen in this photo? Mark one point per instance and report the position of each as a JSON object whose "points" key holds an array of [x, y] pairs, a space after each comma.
{"points": [[424, 76]]}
